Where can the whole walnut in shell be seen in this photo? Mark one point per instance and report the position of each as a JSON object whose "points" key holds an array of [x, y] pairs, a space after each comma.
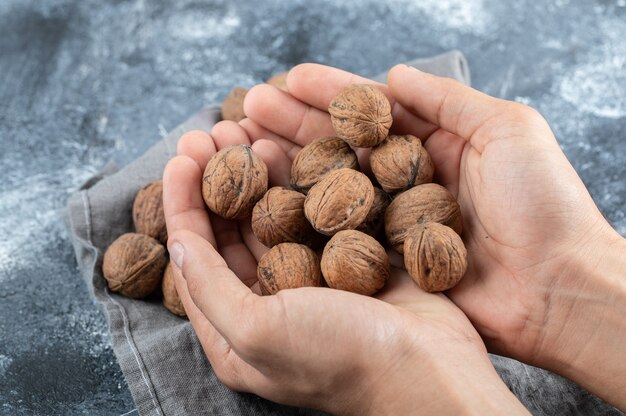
{"points": [[340, 201], [148, 214], [424, 203], [279, 80], [278, 217], [373, 222], [356, 262], [361, 115], [288, 266], [401, 162], [171, 300], [133, 265], [232, 107], [318, 158], [234, 180], [434, 256]]}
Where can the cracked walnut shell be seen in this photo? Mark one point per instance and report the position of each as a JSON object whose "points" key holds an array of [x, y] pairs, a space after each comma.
{"points": [[278, 217], [356, 262], [424, 203], [434, 256], [317, 159], [234, 180], [148, 214], [133, 265], [401, 162], [288, 266], [361, 115], [340, 201], [232, 107], [171, 300]]}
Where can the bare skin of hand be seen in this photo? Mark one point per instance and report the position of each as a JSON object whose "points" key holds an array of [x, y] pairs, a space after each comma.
{"points": [[547, 274], [402, 352]]}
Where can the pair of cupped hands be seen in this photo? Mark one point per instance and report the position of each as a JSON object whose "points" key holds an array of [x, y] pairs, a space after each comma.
{"points": [[530, 226]]}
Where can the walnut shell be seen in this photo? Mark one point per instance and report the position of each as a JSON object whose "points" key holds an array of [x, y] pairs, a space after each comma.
{"points": [[288, 266], [278, 217], [361, 115], [232, 107], [317, 159], [279, 80], [171, 300], [401, 162], [424, 203], [234, 180], [373, 222], [148, 214], [340, 201], [356, 262], [133, 265], [434, 256]]}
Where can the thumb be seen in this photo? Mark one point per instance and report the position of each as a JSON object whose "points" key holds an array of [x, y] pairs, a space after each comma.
{"points": [[457, 108], [212, 286]]}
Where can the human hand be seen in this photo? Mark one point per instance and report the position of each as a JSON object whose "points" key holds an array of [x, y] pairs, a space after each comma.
{"points": [[405, 351], [538, 286]]}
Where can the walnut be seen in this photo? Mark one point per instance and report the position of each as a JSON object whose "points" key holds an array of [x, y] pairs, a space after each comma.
{"points": [[356, 262], [148, 214], [234, 180], [361, 115], [317, 159], [133, 265], [171, 300], [340, 201], [434, 256], [288, 266], [279, 80], [401, 162], [373, 222], [232, 107], [278, 217], [424, 203]]}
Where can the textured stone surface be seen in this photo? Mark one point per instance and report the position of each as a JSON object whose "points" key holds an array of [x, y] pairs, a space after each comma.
{"points": [[85, 82]]}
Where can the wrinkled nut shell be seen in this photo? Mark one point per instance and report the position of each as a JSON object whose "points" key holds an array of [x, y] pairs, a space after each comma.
{"points": [[317, 159], [356, 262], [279, 80], [401, 162], [148, 214], [288, 266], [434, 256], [278, 217], [424, 203], [361, 115], [234, 180], [373, 222], [133, 265], [232, 107], [340, 201], [171, 300]]}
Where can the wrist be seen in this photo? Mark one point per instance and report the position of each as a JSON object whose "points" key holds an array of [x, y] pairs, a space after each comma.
{"points": [[585, 326], [456, 379]]}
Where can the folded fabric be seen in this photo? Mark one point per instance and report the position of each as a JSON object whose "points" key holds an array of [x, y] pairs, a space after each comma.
{"points": [[160, 356]]}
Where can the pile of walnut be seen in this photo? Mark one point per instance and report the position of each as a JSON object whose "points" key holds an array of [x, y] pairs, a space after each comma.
{"points": [[136, 264], [331, 198]]}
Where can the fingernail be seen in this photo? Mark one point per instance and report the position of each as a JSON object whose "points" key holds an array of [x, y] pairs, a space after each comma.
{"points": [[176, 254]]}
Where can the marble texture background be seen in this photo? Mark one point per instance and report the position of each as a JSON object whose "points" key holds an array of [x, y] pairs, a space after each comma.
{"points": [[84, 82]]}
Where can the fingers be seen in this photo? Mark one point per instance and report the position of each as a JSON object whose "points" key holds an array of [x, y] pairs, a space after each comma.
{"points": [[286, 116], [457, 108], [278, 164], [446, 151], [316, 85], [227, 133], [198, 145], [257, 132], [183, 204], [232, 248], [214, 289]]}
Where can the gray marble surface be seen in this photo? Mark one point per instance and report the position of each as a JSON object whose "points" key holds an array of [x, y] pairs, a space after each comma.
{"points": [[83, 82]]}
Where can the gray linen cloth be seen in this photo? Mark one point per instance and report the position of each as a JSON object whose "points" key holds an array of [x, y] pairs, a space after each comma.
{"points": [[164, 365]]}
